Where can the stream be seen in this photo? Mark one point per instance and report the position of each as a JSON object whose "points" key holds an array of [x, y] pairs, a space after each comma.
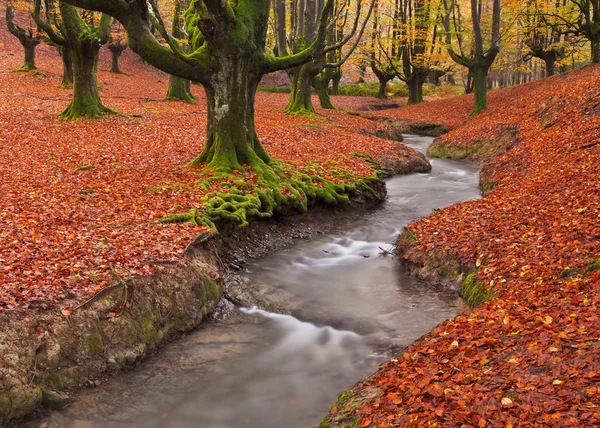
{"points": [[262, 369]]}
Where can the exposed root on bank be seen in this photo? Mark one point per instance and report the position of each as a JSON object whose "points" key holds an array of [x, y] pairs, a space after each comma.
{"points": [[75, 112], [263, 190]]}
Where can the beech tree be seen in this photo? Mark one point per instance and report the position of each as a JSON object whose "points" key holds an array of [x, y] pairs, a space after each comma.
{"points": [[179, 89], [27, 37], [480, 59], [227, 56], [542, 33], [305, 19], [379, 59], [81, 39]]}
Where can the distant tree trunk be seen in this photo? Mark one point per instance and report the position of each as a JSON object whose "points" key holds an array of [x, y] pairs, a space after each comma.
{"points": [[116, 47], [415, 88], [179, 90], [27, 38], [322, 83], [84, 53], [480, 88], [65, 55], [469, 83], [335, 79], [595, 46], [301, 86]]}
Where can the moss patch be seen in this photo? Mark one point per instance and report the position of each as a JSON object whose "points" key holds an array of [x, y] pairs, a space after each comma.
{"points": [[474, 293]]}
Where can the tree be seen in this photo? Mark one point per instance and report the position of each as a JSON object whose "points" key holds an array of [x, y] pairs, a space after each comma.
{"points": [[227, 56], [480, 60], [380, 65], [27, 37], [581, 18], [305, 18], [542, 35], [117, 44], [82, 40], [179, 88]]}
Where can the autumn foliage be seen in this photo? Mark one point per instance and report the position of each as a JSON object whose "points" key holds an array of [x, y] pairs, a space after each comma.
{"points": [[78, 197], [529, 355]]}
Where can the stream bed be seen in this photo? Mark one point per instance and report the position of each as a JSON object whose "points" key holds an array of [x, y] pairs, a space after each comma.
{"points": [[262, 369]]}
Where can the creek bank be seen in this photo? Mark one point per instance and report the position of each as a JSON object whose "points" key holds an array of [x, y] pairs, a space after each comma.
{"points": [[47, 355]]}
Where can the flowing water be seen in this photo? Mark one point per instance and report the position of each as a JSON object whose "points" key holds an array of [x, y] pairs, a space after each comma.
{"points": [[260, 369]]}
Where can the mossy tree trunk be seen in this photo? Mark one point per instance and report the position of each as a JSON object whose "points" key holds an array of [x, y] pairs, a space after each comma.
{"points": [[65, 55], [322, 83], [479, 61], [84, 47], [231, 139], [86, 101], [28, 39], [116, 48], [227, 56], [415, 88], [179, 90], [83, 42], [301, 89], [335, 81], [480, 88]]}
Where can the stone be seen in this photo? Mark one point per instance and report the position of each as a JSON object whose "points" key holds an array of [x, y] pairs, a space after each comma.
{"points": [[55, 400]]}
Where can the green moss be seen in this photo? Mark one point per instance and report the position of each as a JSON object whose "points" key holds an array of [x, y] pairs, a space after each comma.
{"points": [[474, 293], [149, 330], [593, 266], [85, 168], [568, 272], [277, 188], [93, 342], [410, 236], [450, 151]]}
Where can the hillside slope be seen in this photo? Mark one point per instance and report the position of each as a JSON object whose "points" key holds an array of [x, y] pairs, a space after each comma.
{"points": [[530, 355]]}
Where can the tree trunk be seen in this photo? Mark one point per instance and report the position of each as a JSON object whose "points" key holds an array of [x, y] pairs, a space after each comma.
{"points": [[415, 90], [29, 63], [480, 89], [231, 139], [115, 54], [65, 55], [300, 99], [595, 44], [382, 94], [86, 101], [550, 60], [179, 90], [335, 85]]}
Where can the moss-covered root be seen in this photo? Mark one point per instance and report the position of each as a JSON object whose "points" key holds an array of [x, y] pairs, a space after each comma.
{"points": [[276, 189], [86, 110]]}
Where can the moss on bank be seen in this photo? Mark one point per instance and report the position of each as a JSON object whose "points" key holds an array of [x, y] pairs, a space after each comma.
{"points": [[280, 189]]}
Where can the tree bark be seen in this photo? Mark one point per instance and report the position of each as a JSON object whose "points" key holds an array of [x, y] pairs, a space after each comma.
{"points": [[86, 101], [335, 85], [231, 139], [28, 40], [301, 86], [415, 89], [179, 90], [116, 49], [595, 46], [480, 88], [65, 55]]}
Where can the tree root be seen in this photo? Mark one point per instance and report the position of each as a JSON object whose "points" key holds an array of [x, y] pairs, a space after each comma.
{"points": [[268, 189]]}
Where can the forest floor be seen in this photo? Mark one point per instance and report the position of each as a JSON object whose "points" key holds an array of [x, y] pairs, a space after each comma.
{"points": [[530, 355], [78, 197]]}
